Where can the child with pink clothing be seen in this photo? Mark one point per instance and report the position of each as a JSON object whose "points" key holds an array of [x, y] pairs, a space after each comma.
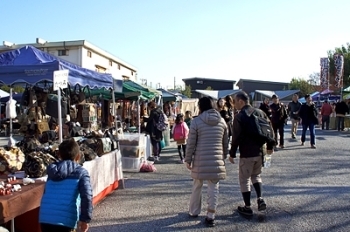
{"points": [[180, 134]]}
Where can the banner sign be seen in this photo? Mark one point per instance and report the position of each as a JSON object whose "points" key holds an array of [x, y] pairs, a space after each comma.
{"points": [[324, 75], [339, 68]]}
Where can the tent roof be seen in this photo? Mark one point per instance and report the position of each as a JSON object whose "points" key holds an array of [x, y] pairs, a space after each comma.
{"points": [[3, 93], [169, 96], [280, 93], [216, 94], [31, 65]]}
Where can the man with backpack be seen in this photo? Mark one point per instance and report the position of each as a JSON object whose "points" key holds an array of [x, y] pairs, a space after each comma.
{"points": [[252, 133], [156, 124]]}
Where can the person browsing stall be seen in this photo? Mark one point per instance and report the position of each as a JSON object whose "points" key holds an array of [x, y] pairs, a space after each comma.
{"points": [[67, 200]]}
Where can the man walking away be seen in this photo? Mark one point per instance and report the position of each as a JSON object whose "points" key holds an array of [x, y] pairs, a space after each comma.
{"points": [[293, 108], [278, 118], [251, 153], [341, 109], [326, 111]]}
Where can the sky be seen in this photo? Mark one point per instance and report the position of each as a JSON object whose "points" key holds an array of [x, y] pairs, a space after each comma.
{"points": [[272, 40]]}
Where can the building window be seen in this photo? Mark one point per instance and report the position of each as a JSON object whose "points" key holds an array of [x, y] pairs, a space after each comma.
{"points": [[119, 66], [200, 82], [132, 73], [100, 69], [63, 52], [110, 63], [89, 54], [125, 78]]}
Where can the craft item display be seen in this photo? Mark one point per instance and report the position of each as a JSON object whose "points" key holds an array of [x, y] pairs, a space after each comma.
{"points": [[36, 163], [11, 159]]}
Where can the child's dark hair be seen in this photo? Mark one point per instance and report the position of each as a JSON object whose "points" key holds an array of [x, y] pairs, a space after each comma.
{"points": [[179, 118], [69, 150]]}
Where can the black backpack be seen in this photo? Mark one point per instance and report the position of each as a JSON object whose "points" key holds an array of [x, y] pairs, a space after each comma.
{"points": [[259, 128]]}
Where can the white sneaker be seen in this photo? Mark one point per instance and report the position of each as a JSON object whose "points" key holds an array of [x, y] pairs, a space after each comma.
{"points": [[156, 158]]}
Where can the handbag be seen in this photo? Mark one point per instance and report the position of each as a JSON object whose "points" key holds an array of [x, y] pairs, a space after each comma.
{"points": [[52, 105], [104, 145], [37, 162], [114, 140], [88, 153], [11, 160], [78, 95], [41, 93], [42, 124], [48, 136]]}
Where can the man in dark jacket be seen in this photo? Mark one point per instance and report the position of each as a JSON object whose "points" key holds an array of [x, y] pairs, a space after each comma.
{"points": [[251, 154], [278, 119], [265, 107], [341, 109], [308, 115], [151, 129], [293, 110]]}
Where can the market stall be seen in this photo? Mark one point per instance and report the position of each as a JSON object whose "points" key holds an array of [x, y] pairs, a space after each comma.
{"points": [[36, 68]]}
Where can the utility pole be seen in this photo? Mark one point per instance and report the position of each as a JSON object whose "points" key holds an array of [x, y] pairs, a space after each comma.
{"points": [[150, 84], [174, 83], [143, 81], [158, 85]]}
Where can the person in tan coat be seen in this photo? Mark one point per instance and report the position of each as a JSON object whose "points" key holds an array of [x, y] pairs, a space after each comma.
{"points": [[206, 151]]}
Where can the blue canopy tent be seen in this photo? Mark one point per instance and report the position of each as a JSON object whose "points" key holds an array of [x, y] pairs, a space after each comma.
{"points": [[31, 65]]}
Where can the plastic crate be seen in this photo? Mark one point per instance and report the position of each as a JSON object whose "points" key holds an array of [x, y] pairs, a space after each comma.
{"points": [[132, 151], [132, 139], [131, 164]]}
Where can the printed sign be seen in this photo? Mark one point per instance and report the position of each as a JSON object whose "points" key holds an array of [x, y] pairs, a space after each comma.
{"points": [[60, 79]]}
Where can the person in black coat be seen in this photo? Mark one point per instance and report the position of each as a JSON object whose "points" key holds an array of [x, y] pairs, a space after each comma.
{"points": [[265, 107], [278, 119], [308, 114], [151, 129], [341, 109]]}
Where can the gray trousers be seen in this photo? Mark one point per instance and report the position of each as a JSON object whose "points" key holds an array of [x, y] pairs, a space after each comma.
{"points": [[196, 197]]}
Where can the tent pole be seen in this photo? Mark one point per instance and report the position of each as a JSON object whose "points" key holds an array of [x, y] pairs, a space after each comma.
{"points": [[138, 115], [11, 117]]}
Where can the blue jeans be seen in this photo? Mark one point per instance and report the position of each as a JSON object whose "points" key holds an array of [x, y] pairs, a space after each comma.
{"points": [[340, 122], [311, 127]]}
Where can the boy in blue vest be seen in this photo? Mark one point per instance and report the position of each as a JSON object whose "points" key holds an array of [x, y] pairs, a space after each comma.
{"points": [[67, 200]]}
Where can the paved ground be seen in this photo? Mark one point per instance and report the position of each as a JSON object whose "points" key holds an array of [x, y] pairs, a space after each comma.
{"points": [[305, 189]]}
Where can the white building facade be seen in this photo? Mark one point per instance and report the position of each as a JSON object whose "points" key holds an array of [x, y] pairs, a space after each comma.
{"points": [[83, 54]]}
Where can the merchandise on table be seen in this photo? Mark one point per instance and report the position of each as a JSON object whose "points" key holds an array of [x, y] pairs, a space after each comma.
{"points": [[11, 159]]}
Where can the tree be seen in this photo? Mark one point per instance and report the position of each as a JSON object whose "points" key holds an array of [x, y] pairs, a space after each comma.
{"points": [[345, 51], [209, 88], [17, 89], [314, 78], [301, 84], [187, 91]]}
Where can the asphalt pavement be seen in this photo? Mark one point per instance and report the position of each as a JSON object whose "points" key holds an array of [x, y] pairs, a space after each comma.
{"points": [[305, 190]]}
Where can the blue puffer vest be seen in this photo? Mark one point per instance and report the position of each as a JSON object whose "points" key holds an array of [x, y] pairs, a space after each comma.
{"points": [[67, 198]]}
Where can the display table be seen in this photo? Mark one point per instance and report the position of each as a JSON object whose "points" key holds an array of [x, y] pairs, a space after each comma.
{"points": [[106, 175], [25, 203], [332, 123], [347, 121]]}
